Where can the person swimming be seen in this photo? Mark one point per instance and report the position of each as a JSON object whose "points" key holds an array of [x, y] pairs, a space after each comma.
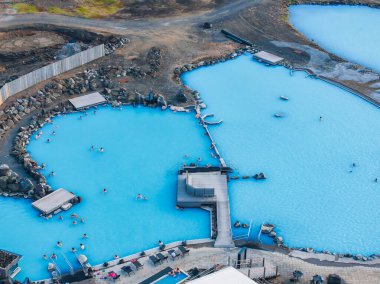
{"points": [[116, 256], [177, 270], [54, 256], [81, 246], [104, 190], [94, 111], [59, 244], [101, 150], [48, 140], [60, 217], [73, 249], [52, 173], [75, 222], [82, 220], [74, 215], [139, 196], [84, 236], [80, 117], [43, 166], [44, 256], [53, 133]]}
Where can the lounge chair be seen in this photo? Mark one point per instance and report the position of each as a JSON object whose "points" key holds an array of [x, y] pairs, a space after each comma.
{"points": [[173, 256], [183, 250], [128, 270], [154, 260], [137, 264], [162, 257]]}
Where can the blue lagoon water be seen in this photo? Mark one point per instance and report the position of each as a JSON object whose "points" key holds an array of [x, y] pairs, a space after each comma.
{"points": [[351, 32], [310, 194], [143, 151]]}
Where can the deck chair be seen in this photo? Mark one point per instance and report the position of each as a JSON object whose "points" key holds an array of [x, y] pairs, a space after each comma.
{"points": [[162, 257], [154, 260], [183, 250], [128, 270]]}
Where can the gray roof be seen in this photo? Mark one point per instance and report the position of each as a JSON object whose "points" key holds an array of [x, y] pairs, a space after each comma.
{"points": [[88, 100], [268, 57], [53, 201]]}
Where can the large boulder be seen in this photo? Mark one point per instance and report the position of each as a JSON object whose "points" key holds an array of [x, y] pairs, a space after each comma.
{"points": [[4, 170], [3, 182], [14, 187], [26, 185]]}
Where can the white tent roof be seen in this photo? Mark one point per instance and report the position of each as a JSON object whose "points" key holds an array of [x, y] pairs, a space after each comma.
{"points": [[227, 275]]}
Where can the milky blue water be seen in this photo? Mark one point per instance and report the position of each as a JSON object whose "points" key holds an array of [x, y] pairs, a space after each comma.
{"points": [[311, 195], [144, 149], [168, 279], [351, 32]]}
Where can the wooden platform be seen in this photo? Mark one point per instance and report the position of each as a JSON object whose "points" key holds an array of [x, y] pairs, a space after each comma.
{"points": [[268, 57], [216, 179], [53, 201], [89, 100]]}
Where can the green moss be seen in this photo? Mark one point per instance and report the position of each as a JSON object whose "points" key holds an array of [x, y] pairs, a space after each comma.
{"points": [[25, 8]]}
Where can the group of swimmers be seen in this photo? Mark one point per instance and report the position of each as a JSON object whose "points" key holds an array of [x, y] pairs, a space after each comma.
{"points": [[174, 272], [76, 216], [92, 148], [60, 245], [141, 197]]}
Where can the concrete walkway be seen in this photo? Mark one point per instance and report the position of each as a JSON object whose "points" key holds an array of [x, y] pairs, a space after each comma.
{"points": [[224, 235]]}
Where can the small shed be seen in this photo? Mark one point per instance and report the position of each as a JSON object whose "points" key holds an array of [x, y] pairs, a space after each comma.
{"points": [[9, 264], [53, 201], [89, 100], [268, 57]]}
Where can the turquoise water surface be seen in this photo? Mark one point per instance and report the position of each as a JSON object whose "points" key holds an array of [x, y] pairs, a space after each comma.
{"points": [[313, 193], [168, 279], [351, 32], [144, 149]]}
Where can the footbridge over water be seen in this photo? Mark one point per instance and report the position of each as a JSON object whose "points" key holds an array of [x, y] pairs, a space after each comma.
{"points": [[207, 186]]}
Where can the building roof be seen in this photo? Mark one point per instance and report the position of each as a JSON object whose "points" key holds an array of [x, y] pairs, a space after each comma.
{"points": [[206, 180], [228, 275], [87, 100], [268, 57], [7, 257], [53, 201]]}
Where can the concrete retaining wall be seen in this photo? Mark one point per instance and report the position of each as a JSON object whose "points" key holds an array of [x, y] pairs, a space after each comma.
{"points": [[26, 81]]}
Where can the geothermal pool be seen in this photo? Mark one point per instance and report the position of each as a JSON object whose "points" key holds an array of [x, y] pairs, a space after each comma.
{"points": [[351, 32], [313, 194], [144, 149]]}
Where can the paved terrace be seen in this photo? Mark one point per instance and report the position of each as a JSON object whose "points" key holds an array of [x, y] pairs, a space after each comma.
{"points": [[206, 257]]}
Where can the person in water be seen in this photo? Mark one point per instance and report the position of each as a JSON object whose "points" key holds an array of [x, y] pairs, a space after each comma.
{"points": [[43, 166], [53, 133], [48, 140], [115, 256], [177, 270], [81, 246], [44, 256], [59, 244], [139, 196], [84, 236], [82, 220], [52, 173], [60, 217], [104, 190], [75, 222], [92, 148], [101, 150], [73, 249], [54, 256], [80, 117]]}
